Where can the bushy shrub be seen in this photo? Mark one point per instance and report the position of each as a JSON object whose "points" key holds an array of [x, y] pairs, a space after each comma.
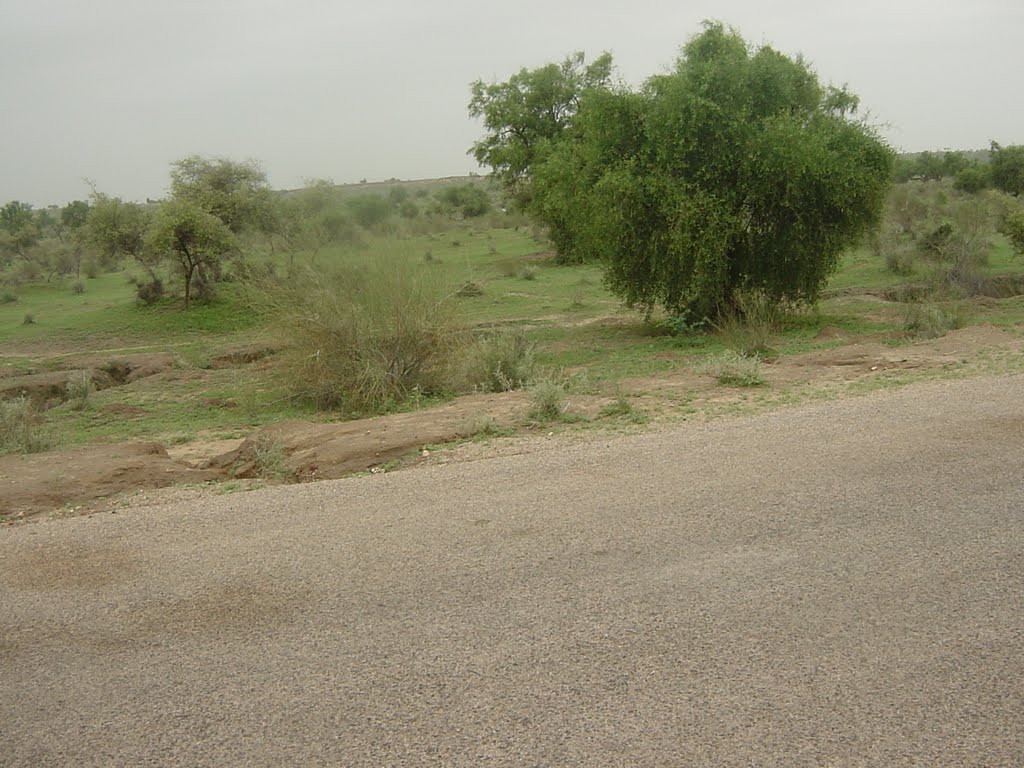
{"points": [[504, 362], [929, 320], [80, 388], [546, 401], [149, 292], [78, 287], [735, 370], [20, 431], [747, 326], [366, 338]]}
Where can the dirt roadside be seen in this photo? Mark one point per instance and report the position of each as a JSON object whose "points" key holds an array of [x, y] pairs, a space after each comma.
{"points": [[84, 480]]}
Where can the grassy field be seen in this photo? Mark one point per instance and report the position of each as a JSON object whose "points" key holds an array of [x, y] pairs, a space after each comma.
{"points": [[497, 277]]}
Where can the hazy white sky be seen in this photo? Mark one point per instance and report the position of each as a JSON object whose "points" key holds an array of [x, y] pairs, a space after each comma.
{"points": [[115, 90]]}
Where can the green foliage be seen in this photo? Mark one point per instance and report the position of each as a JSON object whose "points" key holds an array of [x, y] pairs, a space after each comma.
{"points": [[18, 228], [930, 320], [369, 210], [365, 338], [1007, 168], [235, 192], [1013, 227], [117, 229], [528, 110], [80, 389], [504, 361], [747, 326], [191, 237], [972, 179], [19, 428], [547, 401], [735, 171], [734, 369], [74, 215], [463, 200], [268, 458]]}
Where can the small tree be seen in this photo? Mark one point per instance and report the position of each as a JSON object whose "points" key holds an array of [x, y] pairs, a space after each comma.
{"points": [[19, 225], [116, 229], [235, 192], [194, 239], [1007, 168]]}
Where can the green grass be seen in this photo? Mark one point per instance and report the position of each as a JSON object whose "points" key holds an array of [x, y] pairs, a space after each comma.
{"points": [[579, 330]]}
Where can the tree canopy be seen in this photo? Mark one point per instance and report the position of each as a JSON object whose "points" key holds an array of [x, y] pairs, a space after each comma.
{"points": [[1007, 168], [235, 192], [737, 170], [530, 109]]}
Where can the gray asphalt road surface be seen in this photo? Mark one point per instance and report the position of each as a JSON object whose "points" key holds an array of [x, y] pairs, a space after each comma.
{"points": [[835, 584]]}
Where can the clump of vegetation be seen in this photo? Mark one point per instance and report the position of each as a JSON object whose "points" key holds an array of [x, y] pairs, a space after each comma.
{"points": [[527, 272], [930, 320], [29, 319], [78, 287], [746, 327], [733, 369], [8, 297], [504, 361], [269, 459], [684, 214], [469, 289], [622, 408], [80, 388], [20, 431], [366, 338], [547, 401]]}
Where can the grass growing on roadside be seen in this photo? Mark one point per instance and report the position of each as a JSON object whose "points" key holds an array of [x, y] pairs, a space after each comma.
{"points": [[20, 428], [733, 369]]}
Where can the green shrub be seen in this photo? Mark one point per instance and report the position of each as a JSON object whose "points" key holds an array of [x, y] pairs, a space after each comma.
{"points": [[734, 369], [80, 388], [149, 292], [747, 326], [19, 428], [366, 339], [8, 297], [504, 361], [546, 400], [269, 459], [29, 319], [78, 287], [930, 320]]}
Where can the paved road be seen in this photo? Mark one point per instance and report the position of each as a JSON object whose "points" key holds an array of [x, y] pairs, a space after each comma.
{"points": [[833, 585]]}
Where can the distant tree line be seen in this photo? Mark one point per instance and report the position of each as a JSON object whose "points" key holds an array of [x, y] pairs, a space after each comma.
{"points": [[218, 210]]}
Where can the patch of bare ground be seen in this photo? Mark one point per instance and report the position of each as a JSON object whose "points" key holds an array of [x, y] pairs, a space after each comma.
{"points": [[314, 451], [85, 477]]}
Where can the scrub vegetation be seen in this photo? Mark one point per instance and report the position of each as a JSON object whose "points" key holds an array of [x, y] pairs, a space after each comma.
{"points": [[716, 227]]}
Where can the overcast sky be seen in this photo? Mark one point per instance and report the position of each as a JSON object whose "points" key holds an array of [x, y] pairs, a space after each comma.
{"points": [[114, 90]]}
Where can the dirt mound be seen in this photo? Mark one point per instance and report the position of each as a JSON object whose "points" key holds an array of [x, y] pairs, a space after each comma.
{"points": [[314, 451], [50, 386], [42, 388], [128, 368], [83, 476]]}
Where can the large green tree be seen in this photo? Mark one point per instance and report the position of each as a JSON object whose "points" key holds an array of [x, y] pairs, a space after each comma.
{"points": [[737, 170]]}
